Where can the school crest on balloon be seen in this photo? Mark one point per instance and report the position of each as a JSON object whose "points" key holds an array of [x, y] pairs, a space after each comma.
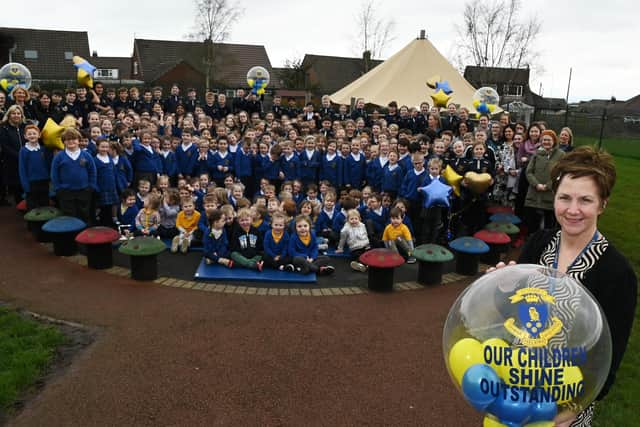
{"points": [[13, 75], [485, 100]]}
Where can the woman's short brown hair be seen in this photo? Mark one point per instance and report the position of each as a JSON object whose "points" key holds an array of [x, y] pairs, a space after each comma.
{"points": [[586, 161]]}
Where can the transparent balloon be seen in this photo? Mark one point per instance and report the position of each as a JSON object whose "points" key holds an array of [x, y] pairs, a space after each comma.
{"points": [[525, 343], [14, 75], [487, 94], [258, 79]]}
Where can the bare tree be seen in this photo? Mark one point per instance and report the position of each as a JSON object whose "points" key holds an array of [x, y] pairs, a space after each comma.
{"points": [[495, 35], [213, 22], [374, 33]]}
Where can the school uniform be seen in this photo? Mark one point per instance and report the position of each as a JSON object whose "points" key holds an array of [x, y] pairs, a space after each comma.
{"points": [[392, 176], [354, 170], [220, 159], [339, 219], [243, 167], [171, 103], [73, 176], [186, 158], [290, 166], [331, 169], [127, 216], [169, 165], [272, 169], [300, 250], [274, 246], [375, 173], [204, 163], [432, 223], [34, 172], [309, 166], [409, 190], [215, 244], [376, 220], [406, 162], [144, 163], [359, 112], [106, 181]]}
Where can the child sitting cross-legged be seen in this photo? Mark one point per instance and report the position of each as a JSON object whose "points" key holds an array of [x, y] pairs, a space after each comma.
{"points": [[354, 234], [303, 248], [186, 223], [216, 243], [127, 213], [276, 242], [246, 243], [148, 219], [397, 236]]}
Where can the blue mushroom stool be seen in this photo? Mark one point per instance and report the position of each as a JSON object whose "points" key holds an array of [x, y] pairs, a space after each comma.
{"points": [[505, 217], [63, 231], [467, 250]]}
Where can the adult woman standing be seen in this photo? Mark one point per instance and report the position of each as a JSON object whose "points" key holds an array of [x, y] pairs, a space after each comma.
{"points": [[582, 182], [539, 201], [11, 141], [525, 152], [566, 139]]}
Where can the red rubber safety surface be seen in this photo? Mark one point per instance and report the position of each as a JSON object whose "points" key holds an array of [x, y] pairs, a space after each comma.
{"points": [[170, 356]]}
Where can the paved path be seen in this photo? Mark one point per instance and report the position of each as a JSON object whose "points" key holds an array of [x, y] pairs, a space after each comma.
{"points": [[169, 356]]}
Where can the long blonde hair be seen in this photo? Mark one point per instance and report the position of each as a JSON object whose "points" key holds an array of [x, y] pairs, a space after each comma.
{"points": [[10, 110]]}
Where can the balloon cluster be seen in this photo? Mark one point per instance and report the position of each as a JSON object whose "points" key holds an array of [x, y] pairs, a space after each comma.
{"points": [[485, 100], [258, 79], [526, 343], [13, 75], [85, 72], [442, 93]]}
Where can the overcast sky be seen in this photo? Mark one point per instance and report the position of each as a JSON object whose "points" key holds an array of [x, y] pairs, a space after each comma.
{"points": [[597, 38]]}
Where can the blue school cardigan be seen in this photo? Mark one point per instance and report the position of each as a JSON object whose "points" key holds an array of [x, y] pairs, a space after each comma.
{"points": [[69, 174], [331, 170], [215, 248], [297, 248], [186, 160], [274, 249], [32, 166]]}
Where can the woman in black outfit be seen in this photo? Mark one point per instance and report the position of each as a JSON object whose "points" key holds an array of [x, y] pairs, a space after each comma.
{"points": [[11, 141]]}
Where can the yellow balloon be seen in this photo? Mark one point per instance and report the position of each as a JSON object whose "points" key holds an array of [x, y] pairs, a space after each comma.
{"points": [[51, 133], [476, 103], [250, 82], [453, 179], [440, 99], [464, 354], [541, 424], [478, 183], [491, 422], [432, 81], [68, 122], [502, 370], [571, 375], [491, 107]]}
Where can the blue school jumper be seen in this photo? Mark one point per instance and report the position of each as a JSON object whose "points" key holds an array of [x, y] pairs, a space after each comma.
{"points": [[392, 178], [242, 164], [144, 159], [213, 248], [218, 160], [410, 184], [272, 169], [297, 248], [309, 166], [379, 220], [274, 249], [203, 165], [69, 174], [325, 221], [339, 219], [291, 167], [263, 228], [354, 171], [259, 164], [186, 159], [32, 166], [106, 181], [128, 217], [375, 173], [406, 162], [331, 170], [124, 173], [169, 164]]}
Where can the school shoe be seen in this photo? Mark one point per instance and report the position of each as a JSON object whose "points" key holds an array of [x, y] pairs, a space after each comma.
{"points": [[259, 265], [358, 266], [290, 268], [184, 247], [325, 270], [411, 260], [174, 244]]}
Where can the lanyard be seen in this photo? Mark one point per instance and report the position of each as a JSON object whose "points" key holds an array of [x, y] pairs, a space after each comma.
{"points": [[555, 258]]}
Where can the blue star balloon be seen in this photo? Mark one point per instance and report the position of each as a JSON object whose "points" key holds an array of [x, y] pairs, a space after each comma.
{"points": [[436, 194], [445, 87], [85, 71]]}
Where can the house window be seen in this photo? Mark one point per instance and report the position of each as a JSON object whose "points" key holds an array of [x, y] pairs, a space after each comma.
{"points": [[68, 55], [30, 54], [106, 73], [230, 93], [512, 90], [135, 68]]}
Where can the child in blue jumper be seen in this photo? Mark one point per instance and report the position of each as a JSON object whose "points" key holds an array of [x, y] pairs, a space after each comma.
{"points": [[127, 212], [276, 245], [216, 243], [107, 200], [34, 169], [303, 249], [354, 167]]}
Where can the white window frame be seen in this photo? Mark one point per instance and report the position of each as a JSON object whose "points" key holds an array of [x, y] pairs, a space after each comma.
{"points": [[30, 54], [106, 73]]}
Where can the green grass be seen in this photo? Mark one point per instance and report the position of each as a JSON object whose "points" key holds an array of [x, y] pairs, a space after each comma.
{"points": [[620, 224], [619, 147], [26, 348]]}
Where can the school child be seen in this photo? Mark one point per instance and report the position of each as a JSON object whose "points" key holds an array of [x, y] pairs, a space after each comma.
{"points": [[259, 214], [310, 160], [123, 169], [144, 187], [303, 249], [392, 175], [397, 236], [298, 195], [458, 162], [230, 219], [331, 166], [474, 205], [347, 203], [273, 167], [107, 196], [289, 162], [354, 166], [204, 159], [432, 215], [414, 179], [127, 212], [312, 196], [376, 167], [186, 154], [276, 245], [375, 218], [148, 219], [222, 163], [354, 235], [210, 204], [404, 156], [73, 176], [186, 223], [144, 159], [215, 241], [33, 168], [246, 243], [243, 166], [237, 193], [324, 222], [169, 208]]}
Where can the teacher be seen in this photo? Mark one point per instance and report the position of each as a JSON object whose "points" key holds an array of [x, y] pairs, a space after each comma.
{"points": [[582, 182]]}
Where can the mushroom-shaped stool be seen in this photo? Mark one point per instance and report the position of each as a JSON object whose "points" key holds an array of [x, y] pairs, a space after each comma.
{"points": [[505, 217], [143, 252], [511, 230], [467, 250], [498, 242], [98, 241], [63, 231], [381, 263], [431, 259], [37, 217], [22, 207], [499, 209]]}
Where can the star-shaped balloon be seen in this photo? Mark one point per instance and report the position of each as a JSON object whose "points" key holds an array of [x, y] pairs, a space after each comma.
{"points": [[453, 179], [85, 71], [444, 86], [440, 99], [433, 81], [436, 194]]}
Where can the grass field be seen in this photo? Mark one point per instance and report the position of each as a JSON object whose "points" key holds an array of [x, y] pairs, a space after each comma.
{"points": [[26, 348], [621, 226]]}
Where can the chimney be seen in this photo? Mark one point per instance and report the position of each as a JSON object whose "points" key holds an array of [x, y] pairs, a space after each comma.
{"points": [[423, 35], [94, 54], [366, 59]]}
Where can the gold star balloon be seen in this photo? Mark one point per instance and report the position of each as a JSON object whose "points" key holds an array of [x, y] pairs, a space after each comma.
{"points": [[440, 99]]}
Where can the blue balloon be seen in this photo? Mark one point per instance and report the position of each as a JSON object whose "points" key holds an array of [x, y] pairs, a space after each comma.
{"points": [[444, 86], [513, 413], [436, 194], [543, 411], [483, 108], [476, 385]]}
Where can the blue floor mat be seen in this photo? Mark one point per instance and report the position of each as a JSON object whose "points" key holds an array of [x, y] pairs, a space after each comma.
{"points": [[219, 272]]}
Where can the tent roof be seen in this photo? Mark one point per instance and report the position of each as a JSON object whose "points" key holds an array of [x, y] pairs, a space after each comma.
{"points": [[403, 78]]}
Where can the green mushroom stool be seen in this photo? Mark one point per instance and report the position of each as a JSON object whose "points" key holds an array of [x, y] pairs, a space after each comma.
{"points": [[431, 259], [37, 217], [511, 230], [143, 252], [381, 264]]}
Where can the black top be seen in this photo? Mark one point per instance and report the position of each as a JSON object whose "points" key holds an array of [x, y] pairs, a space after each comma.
{"points": [[612, 282]]}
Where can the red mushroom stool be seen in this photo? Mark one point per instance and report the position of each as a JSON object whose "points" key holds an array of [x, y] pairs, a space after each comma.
{"points": [[499, 209], [511, 230], [467, 250], [98, 241], [431, 259], [498, 243], [381, 263], [22, 207]]}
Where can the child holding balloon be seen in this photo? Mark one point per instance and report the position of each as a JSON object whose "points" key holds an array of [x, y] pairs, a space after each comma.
{"points": [[432, 209], [475, 189]]}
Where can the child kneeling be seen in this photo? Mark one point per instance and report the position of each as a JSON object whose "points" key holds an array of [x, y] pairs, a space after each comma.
{"points": [[215, 241], [303, 248], [354, 234], [397, 236]]}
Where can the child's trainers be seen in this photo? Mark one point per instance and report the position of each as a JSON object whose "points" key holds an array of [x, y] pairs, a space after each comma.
{"points": [[411, 260], [290, 268], [358, 266], [174, 244], [184, 247], [326, 270]]}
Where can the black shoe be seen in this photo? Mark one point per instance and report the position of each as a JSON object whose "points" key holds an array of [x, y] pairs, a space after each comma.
{"points": [[290, 268]]}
